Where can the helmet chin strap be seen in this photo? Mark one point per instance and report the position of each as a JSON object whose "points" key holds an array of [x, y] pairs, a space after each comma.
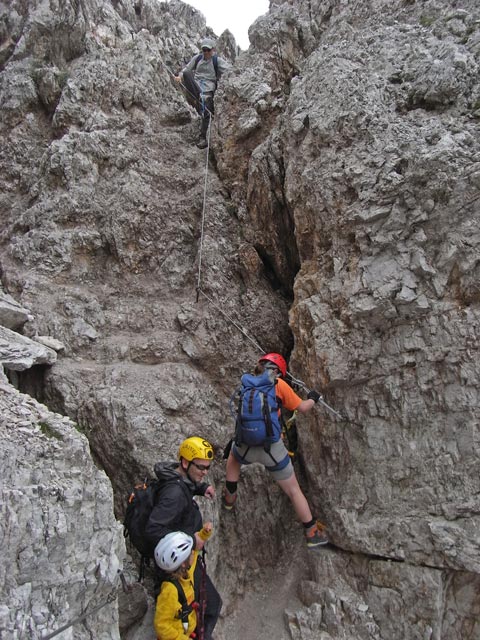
{"points": [[184, 471], [187, 473]]}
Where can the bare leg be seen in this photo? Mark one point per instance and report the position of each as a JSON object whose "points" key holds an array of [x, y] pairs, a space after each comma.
{"points": [[233, 469], [291, 487]]}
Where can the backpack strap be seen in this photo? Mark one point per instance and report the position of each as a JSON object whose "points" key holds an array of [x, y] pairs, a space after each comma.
{"points": [[238, 424], [186, 608], [267, 414], [237, 415], [268, 423], [144, 563], [214, 60]]}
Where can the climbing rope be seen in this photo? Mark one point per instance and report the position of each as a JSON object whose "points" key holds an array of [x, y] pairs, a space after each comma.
{"points": [[321, 401], [231, 320], [110, 600], [205, 184], [202, 228], [200, 291]]}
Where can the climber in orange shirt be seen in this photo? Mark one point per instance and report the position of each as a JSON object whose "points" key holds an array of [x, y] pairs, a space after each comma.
{"points": [[258, 438]]}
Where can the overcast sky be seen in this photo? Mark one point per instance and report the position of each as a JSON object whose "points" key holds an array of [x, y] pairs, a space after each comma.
{"points": [[234, 15]]}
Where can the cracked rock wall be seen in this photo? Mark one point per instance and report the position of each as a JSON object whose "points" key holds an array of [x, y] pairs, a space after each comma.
{"points": [[101, 207], [61, 545], [375, 155], [343, 218], [394, 286]]}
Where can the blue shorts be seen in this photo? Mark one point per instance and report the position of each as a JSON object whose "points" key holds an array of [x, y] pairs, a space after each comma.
{"points": [[277, 461]]}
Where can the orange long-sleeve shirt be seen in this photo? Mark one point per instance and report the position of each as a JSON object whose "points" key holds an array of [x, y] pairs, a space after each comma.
{"points": [[289, 399]]}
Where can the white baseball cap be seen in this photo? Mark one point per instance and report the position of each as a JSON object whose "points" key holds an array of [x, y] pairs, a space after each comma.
{"points": [[207, 43]]}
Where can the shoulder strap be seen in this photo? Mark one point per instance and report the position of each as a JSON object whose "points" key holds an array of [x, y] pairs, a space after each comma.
{"points": [[214, 60], [186, 608]]}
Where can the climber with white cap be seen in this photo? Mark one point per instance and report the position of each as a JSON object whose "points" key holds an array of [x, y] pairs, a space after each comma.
{"points": [[199, 78]]}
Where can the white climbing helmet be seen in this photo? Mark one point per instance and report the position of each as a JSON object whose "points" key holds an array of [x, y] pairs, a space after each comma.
{"points": [[173, 550]]}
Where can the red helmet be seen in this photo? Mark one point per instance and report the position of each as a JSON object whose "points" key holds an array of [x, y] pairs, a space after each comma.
{"points": [[278, 360]]}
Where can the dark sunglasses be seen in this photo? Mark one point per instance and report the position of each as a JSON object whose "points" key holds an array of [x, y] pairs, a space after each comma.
{"points": [[200, 467], [205, 49]]}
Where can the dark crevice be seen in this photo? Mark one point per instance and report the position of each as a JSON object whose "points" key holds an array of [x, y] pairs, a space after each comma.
{"points": [[30, 381], [270, 272], [413, 103]]}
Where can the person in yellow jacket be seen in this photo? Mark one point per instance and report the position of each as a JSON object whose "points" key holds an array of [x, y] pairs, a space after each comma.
{"points": [[174, 554]]}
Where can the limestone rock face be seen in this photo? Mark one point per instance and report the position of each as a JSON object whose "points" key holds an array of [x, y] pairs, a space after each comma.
{"points": [[61, 546], [18, 352], [104, 216], [374, 158], [340, 226], [12, 315]]}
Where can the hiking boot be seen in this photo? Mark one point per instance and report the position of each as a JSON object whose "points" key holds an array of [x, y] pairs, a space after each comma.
{"points": [[228, 499], [316, 535], [202, 143]]}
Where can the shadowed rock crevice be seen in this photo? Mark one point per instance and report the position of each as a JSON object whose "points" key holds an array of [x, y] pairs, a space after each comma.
{"points": [[32, 382]]}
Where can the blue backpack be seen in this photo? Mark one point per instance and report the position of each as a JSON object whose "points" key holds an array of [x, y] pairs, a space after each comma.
{"points": [[257, 420]]}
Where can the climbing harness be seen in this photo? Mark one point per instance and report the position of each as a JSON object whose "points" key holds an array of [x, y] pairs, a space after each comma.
{"points": [[186, 609], [187, 90], [110, 600]]}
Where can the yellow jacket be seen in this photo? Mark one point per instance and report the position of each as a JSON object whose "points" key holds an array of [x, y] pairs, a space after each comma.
{"points": [[167, 621]]}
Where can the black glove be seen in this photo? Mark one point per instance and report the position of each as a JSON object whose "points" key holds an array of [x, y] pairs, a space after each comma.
{"points": [[314, 395]]}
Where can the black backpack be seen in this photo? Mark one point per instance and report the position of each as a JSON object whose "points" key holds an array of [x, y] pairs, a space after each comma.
{"points": [[140, 504]]}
